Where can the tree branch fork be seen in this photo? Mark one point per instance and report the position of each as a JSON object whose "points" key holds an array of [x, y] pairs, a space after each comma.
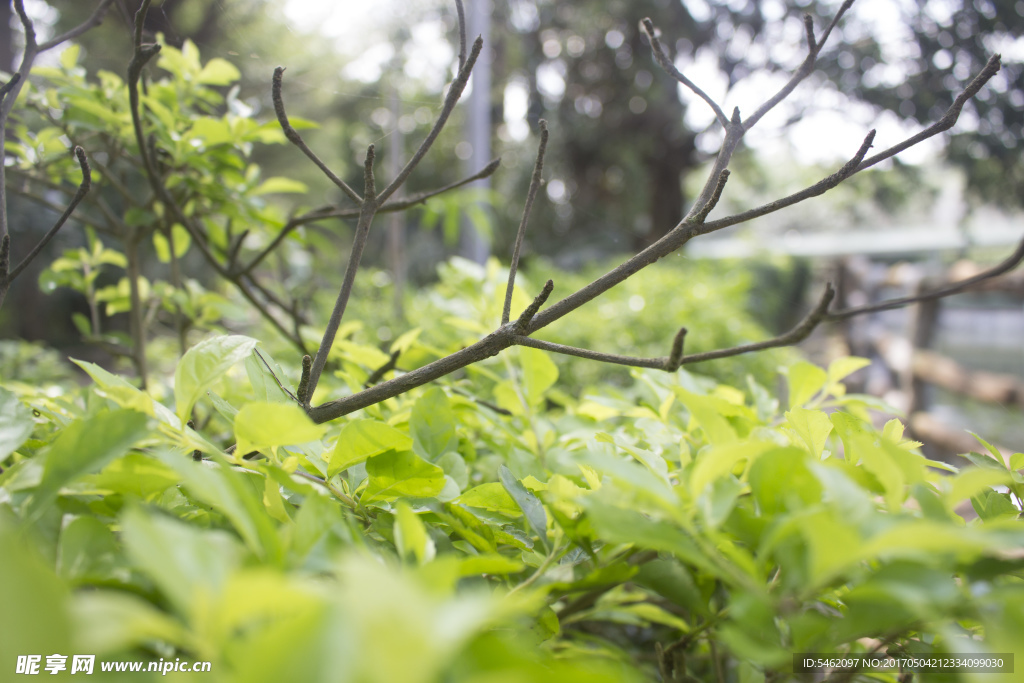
{"points": [[509, 333], [519, 331]]}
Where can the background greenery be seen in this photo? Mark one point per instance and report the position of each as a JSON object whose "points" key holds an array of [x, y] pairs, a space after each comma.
{"points": [[526, 519]]}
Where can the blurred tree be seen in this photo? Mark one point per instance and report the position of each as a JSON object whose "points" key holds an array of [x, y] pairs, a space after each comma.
{"points": [[621, 151], [940, 47]]}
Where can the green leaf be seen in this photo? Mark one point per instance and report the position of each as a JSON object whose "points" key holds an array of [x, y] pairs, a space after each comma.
{"points": [[218, 72], [135, 475], [718, 461], [992, 505], [16, 423], [845, 366], [706, 410], [396, 474], [69, 57], [813, 426], [492, 497], [619, 525], [974, 480], [280, 185], [85, 446], [539, 373], [203, 365], [108, 622], [432, 425], [185, 562], [805, 380], [35, 602], [266, 377], [262, 426], [237, 494], [991, 449], [781, 480], [411, 536], [182, 241], [489, 563], [87, 550], [1017, 461], [527, 502], [211, 131], [363, 439]]}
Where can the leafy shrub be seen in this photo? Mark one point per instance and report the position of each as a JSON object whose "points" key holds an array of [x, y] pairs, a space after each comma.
{"points": [[677, 524]]}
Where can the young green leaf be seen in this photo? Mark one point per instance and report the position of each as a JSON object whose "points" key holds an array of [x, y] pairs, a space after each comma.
{"points": [[16, 423], [805, 380], [398, 474], [411, 536], [85, 446], [527, 502], [363, 439], [432, 425], [262, 426], [203, 365]]}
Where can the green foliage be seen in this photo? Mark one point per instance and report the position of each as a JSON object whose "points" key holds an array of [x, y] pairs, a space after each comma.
{"points": [[431, 538]]}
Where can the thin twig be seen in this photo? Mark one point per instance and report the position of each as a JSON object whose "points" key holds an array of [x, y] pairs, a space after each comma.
{"points": [[805, 69], [83, 189], [366, 215], [277, 380], [523, 322], [9, 86], [379, 373], [702, 214], [95, 19], [1006, 265], [461, 11], [531, 195], [454, 93], [399, 204], [948, 119], [794, 336], [296, 139], [668, 363], [663, 60], [302, 393]]}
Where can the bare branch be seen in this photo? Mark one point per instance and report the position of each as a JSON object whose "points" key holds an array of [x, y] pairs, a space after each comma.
{"points": [[83, 189], [531, 195], [813, 49], [794, 336], [461, 11], [812, 44], [668, 363], [399, 204], [663, 60], [8, 86], [699, 217], [369, 184], [296, 139], [454, 93], [302, 393], [523, 323], [26, 25], [362, 231], [948, 119], [1011, 262], [821, 187], [95, 19], [403, 203]]}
